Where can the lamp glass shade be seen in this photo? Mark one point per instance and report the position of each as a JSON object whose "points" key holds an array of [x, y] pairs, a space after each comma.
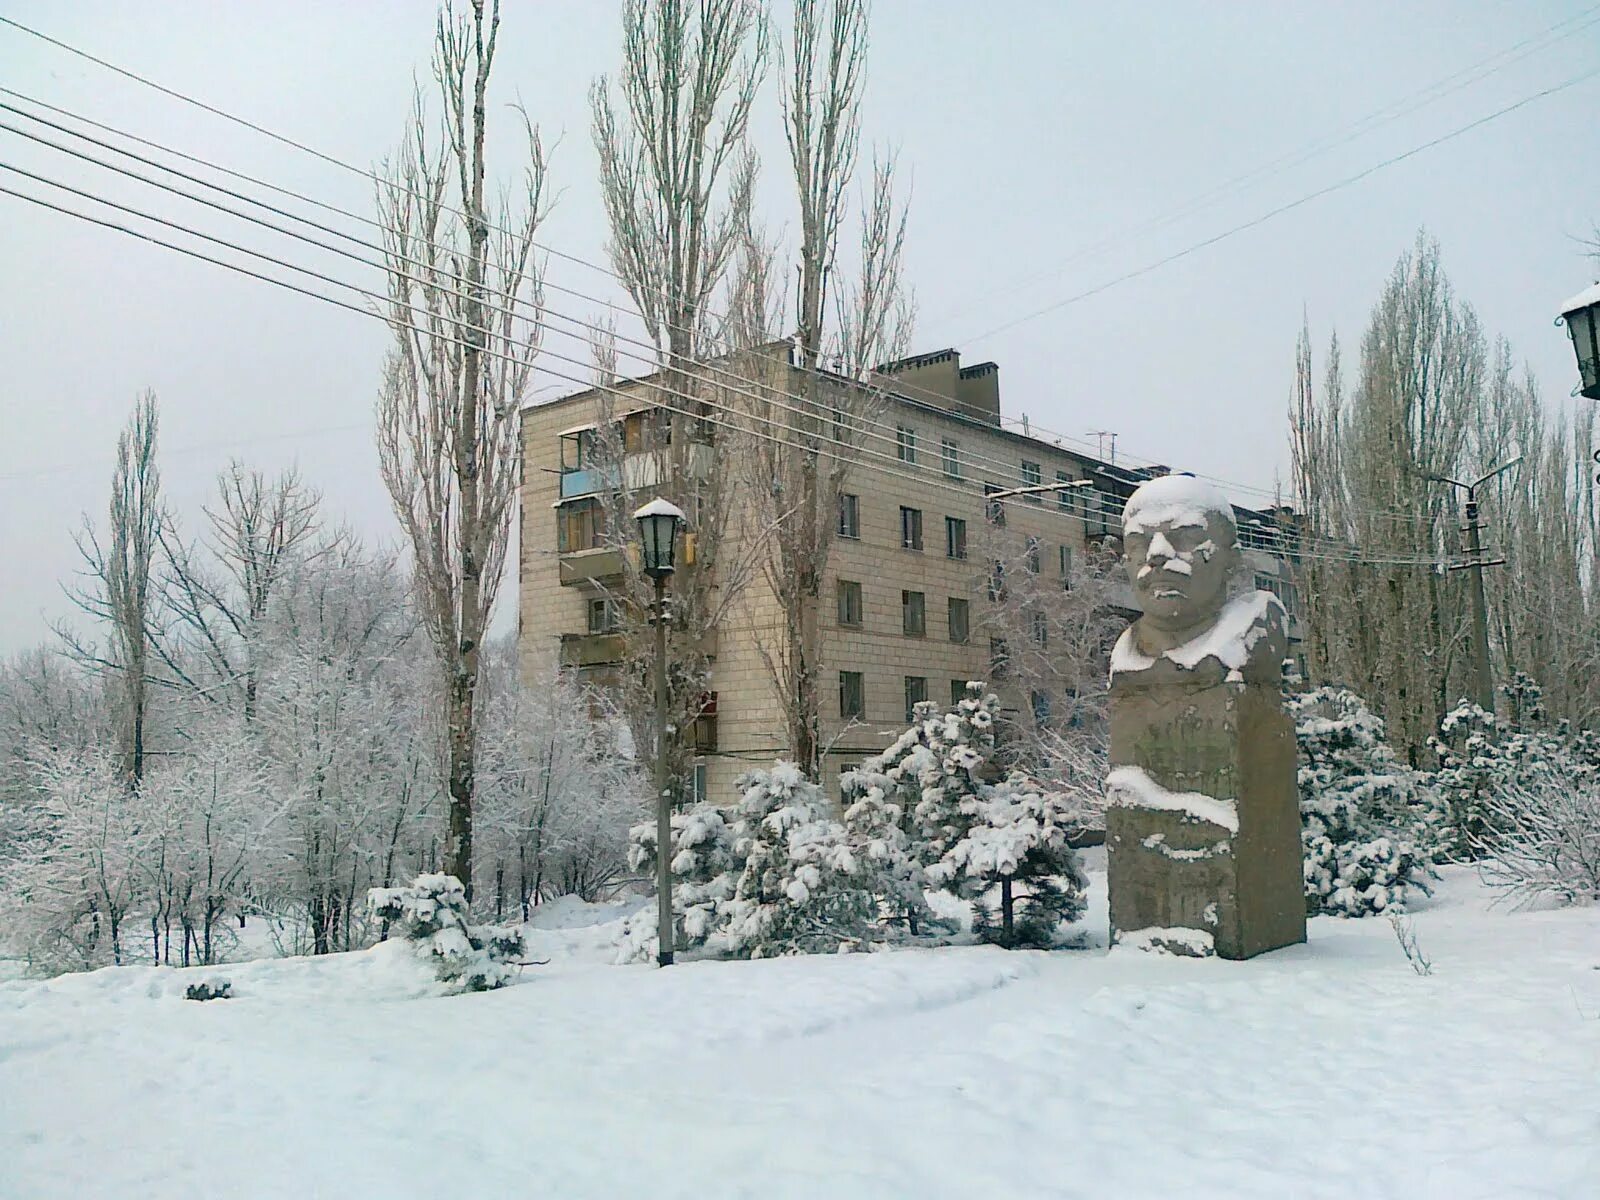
{"points": [[1583, 325], [659, 522]]}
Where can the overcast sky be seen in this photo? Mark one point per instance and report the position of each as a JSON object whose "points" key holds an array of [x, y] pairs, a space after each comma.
{"points": [[1031, 133]]}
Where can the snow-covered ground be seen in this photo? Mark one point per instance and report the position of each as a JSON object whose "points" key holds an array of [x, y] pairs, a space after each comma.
{"points": [[1325, 1070]]}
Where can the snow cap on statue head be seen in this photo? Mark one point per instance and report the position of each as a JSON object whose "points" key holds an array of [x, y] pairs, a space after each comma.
{"points": [[1176, 500]]}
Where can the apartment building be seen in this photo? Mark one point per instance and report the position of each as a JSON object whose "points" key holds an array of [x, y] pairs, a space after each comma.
{"points": [[917, 572]]}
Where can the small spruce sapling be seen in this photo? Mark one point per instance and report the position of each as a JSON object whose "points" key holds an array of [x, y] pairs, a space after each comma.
{"points": [[432, 914]]}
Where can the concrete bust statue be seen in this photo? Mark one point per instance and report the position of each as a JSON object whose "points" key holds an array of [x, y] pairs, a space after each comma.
{"points": [[1181, 550]]}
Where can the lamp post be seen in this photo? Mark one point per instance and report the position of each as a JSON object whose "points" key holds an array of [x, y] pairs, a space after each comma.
{"points": [[1581, 315], [659, 523]]}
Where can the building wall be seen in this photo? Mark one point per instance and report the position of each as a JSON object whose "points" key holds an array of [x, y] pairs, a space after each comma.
{"points": [[749, 717]]}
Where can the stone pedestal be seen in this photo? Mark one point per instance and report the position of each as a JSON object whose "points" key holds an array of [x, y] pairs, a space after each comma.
{"points": [[1203, 829]]}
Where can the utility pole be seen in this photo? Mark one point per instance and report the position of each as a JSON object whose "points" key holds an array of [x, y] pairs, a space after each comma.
{"points": [[1482, 676]]}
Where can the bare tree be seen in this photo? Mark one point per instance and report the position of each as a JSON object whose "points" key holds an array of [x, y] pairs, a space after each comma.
{"points": [[448, 407], [795, 478], [1431, 399], [121, 590], [677, 178], [221, 599]]}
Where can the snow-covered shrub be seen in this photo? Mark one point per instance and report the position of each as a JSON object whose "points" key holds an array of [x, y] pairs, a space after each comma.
{"points": [[800, 888], [1015, 844], [432, 914], [1483, 760], [1541, 837], [703, 876], [1363, 812]]}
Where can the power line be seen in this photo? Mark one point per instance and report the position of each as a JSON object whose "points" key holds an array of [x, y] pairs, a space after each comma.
{"points": [[880, 430], [761, 425], [1290, 206], [1374, 120], [903, 385]]}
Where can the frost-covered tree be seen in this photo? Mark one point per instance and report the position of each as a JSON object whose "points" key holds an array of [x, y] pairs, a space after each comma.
{"points": [[75, 873], [557, 792], [1015, 844], [1369, 821], [1541, 836], [799, 889]]}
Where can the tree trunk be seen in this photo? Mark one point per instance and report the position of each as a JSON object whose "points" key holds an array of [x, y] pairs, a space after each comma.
{"points": [[1007, 922]]}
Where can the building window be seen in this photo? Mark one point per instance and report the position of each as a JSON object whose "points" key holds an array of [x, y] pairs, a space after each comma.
{"points": [[916, 693], [580, 525], [913, 614], [910, 528], [849, 515], [994, 511], [1040, 628], [1040, 702], [905, 443], [698, 787], [1066, 568], [852, 702], [958, 691], [1031, 555], [950, 457], [959, 619], [849, 602], [955, 537], [1032, 476], [999, 658], [997, 580], [602, 615], [1063, 497]]}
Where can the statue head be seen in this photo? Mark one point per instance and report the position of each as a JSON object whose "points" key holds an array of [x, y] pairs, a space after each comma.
{"points": [[1181, 549]]}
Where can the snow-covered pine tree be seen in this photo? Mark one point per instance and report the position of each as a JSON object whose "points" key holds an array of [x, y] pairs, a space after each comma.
{"points": [[877, 819], [961, 745], [704, 871], [432, 913], [1014, 864], [801, 889], [1363, 811]]}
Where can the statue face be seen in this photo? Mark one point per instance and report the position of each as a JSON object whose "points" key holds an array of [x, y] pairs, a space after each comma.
{"points": [[1180, 570]]}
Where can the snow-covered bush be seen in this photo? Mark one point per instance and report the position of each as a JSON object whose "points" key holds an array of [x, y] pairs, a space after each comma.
{"points": [[703, 876], [1363, 812], [1482, 761], [1541, 837], [1015, 844], [432, 914], [800, 888]]}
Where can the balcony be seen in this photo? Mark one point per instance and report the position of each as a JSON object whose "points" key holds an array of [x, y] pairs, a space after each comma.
{"points": [[580, 566], [639, 472], [591, 649]]}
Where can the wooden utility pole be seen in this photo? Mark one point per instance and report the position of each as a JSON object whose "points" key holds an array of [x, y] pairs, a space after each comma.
{"points": [[1483, 678]]}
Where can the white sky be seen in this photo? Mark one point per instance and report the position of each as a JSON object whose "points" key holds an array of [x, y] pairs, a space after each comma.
{"points": [[1031, 132]]}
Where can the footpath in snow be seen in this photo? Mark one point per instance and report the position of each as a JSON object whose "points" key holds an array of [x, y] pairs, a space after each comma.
{"points": [[1328, 1070]]}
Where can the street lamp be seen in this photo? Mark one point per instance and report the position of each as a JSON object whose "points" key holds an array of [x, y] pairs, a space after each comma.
{"points": [[659, 522], [1581, 315]]}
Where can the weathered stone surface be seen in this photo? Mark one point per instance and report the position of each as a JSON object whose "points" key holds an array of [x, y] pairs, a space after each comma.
{"points": [[1203, 828], [1169, 868]]}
